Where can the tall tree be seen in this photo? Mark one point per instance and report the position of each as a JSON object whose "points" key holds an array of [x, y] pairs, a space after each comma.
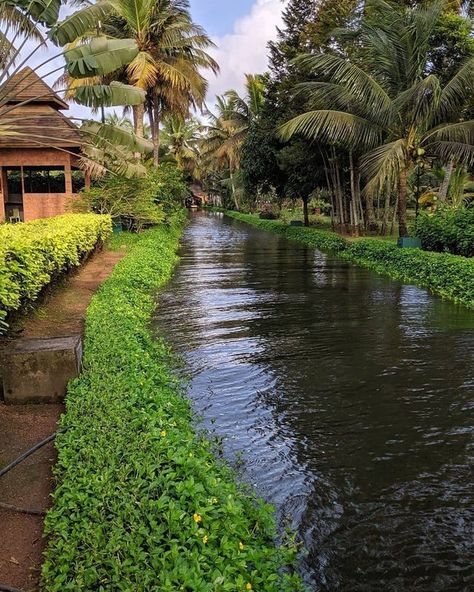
{"points": [[172, 52], [392, 108]]}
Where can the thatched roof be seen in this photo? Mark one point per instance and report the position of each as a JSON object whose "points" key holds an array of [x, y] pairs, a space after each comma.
{"points": [[39, 122], [26, 85]]}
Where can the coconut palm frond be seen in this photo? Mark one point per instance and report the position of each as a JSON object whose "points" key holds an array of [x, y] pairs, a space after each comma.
{"points": [[334, 127], [457, 91], [361, 85], [381, 167]]}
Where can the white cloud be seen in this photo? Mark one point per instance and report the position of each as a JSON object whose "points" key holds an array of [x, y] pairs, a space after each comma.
{"points": [[244, 51]]}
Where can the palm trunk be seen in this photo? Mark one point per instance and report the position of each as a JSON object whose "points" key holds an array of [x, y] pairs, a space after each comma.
{"points": [[305, 211], [232, 185], [402, 203], [138, 123], [138, 119], [156, 139], [443, 192], [354, 195]]}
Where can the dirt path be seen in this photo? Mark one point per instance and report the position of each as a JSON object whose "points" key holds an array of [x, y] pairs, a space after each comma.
{"points": [[29, 485]]}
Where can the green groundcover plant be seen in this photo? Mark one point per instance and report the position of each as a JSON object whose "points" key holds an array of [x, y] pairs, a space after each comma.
{"points": [[142, 503], [450, 276], [32, 254]]}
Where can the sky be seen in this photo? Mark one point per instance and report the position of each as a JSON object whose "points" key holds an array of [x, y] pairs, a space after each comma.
{"points": [[240, 29]]}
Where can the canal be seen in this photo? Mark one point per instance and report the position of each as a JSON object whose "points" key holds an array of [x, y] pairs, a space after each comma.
{"points": [[344, 398]]}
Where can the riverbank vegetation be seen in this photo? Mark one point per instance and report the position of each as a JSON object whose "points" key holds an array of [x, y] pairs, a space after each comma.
{"points": [[448, 275], [366, 112], [35, 253], [143, 504]]}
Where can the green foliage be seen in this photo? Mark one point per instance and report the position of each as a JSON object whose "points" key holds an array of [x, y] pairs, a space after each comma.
{"points": [[448, 230], [142, 503], [320, 239], [448, 275], [138, 202], [34, 253], [169, 186]]}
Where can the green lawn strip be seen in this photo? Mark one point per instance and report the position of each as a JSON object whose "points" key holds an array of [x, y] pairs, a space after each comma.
{"points": [[33, 254], [449, 276], [142, 502]]}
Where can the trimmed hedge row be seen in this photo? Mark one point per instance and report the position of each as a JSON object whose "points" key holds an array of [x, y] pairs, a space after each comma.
{"points": [[450, 276], [33, 253], [141, 501]]}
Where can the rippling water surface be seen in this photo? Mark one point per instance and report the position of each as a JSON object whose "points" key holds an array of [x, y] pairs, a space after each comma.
{"points": [[350, 397]]}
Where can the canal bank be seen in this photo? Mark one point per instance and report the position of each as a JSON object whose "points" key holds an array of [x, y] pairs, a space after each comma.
{"points": [[448, 276], [142, 503], [344, 397]]}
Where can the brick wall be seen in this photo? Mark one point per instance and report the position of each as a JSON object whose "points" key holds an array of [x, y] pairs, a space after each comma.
{"points": [[39, 205]]}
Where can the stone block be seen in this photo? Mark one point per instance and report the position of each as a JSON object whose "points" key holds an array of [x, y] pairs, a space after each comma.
{"points": [[38, 370]]}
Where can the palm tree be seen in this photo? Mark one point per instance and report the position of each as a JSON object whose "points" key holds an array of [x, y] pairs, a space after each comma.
{"points": [[221, 143], [389, 107], [224, 136], [171, 56], [181, 137]]}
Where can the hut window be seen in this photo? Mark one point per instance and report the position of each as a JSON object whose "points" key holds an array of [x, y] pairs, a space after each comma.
{"points": [[44, 179], [78, 180]]}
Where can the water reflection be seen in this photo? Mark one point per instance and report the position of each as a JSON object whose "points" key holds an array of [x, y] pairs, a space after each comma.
{"points": [[349, 395]]}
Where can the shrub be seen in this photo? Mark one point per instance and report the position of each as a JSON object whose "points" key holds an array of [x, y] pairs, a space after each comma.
{"points": [[141, 502], [138, 202], [268, 215], [448, 230], [32, 254], [448, 275]]}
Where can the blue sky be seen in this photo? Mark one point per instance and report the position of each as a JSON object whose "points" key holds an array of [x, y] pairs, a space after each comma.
{"points": [[219, 16]]}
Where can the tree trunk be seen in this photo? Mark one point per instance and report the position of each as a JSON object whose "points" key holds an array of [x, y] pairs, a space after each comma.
{"points": [[443, 192], [234, 196], [305, 211], [354, 196], [402, 203], [156, 141], [138, 123], [138, 119]]}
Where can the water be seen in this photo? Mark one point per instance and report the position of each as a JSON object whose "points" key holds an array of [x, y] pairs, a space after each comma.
{"points": [[350, 398]]}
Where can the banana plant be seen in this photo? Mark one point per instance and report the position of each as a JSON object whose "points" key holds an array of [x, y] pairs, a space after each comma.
{"points": [[95, 58]]}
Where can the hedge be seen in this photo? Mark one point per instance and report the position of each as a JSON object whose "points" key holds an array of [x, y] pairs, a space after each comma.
{"points": [[449, 276], [142, 502], [33, 253], [448, 230]]}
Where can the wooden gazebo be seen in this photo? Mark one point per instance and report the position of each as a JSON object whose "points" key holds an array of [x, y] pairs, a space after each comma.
{"points": [[39, 172]]}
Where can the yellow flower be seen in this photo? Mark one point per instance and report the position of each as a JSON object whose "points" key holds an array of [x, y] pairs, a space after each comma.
{"points": [[205, 539], [241, 546], [163, 434], [197, 518], [248, 586], [214, 500]]}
